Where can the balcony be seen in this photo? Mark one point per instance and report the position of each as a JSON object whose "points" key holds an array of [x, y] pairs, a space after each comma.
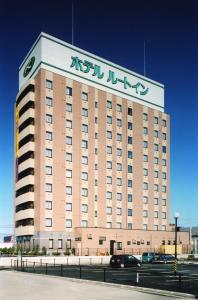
{"points": [[25, 181], [28, 114], [29, 163], [24, 230], [27, 147], [28, 130], [24, 198], [24, 214]]}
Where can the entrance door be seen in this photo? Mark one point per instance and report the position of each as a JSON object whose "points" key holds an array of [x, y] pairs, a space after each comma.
{"points": [[112, 242]]}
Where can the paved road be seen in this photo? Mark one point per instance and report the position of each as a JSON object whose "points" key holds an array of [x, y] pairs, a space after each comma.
{"points": [[20, 286]]}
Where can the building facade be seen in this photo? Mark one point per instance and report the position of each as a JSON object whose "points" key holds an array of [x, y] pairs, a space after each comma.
{"points": [[92, 148]]}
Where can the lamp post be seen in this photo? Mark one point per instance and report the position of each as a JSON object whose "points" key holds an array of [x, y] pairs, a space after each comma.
{"points": [[175, 261]]}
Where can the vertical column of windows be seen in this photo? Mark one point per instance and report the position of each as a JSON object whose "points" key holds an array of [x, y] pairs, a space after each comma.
{"points": [[130, 166]]}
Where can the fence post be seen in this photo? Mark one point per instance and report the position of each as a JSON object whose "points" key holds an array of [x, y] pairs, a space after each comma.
{"points": [[46, 268], [137, 278], [61, 270], [80, 272], [104, 275]]}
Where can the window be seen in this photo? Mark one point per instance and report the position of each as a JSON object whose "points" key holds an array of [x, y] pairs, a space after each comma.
{"points": [[109, 165], [96, 120], [145, 130], [119, 137], [163, 136], [48, 84], [145, 199], [84, 223], [119, 245], [156, 187], [156, 160], [155, 227], [84, 160], [68, 156], [119, 167], [84, 112], [68, 206], [130, 212], [109, 195], [68, 140], [109, 150], [48, 135], [145, 213], [118, 225], [84, 208], [85, 128], [119, 123], [109, 134], [130, 140], [144, 227], [68, 107], [118, 196], [119, 152], [164, 123], [163, 175], [130, 169], [109, 119], [118, 107], [145, 158], [163, 162], [130, 126], [68, 173], [164, 227], [155, 147], [84, 144], [163, 202], [156, 201], [84, 192], [155, 120], [49, 101], [109, 225], [156, 174], [163, 149], [84, 96], [96, 104], [119, 181], [69, 124], [118, 211], [156, 214], [48, 222], [145, 186], [48, 118], [130, 154], [130, 197], [109, 210], [50, 243], [145, 144], [48, 187], [60, 243], [48, 152], [48, 170], [68, 190], [68, 223], [130, 183], [145, 117], [109, 180], [48, 204], [145, 172], [109, 104], [84, 176], [68, 91], [96, 135], [130, 226], [163, 189], [163, 215], [130, 111], [156, 134], [96, 166]]}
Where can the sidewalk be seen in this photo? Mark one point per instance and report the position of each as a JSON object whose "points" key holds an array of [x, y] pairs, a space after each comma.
{"points": [[19, 286]]}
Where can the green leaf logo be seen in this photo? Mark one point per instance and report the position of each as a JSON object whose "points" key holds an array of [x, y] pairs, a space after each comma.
{"points": [[29, 66]]}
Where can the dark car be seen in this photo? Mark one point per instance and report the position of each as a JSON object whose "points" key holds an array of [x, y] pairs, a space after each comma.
{"points": [[124, 261], [163, 259]]}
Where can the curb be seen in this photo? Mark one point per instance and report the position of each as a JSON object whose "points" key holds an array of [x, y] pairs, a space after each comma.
{"points": [[122, 286]]}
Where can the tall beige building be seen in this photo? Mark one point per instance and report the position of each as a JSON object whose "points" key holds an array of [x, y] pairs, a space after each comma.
{"points": [[92, 154]]}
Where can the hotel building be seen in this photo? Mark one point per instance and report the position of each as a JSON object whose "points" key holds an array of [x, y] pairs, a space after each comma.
{"points": [[92, 154]]}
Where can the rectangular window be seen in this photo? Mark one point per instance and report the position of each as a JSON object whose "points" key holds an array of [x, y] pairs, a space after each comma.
{"points": [[68, 206], [48, 204], [130, 111], [130, 126], [49, 101], [130, 197], [156, 214], [118, 196], [119, 167], [109, 195], [118, 211], [130, 154], [84, 176], [84, 112], [84, 223], [68, 156], [68, 173], [69, 124], [68, 107], [119, 123], [119, 137], [109, 150], [48, 170], [109, 104], [84, 192], [145, 186], [156, 187], [145, 213], [156, 134], [130, 183], [68, 140], [144, 227], [68, 190], [164, 227], [84, 96], [118, 107], [156, 174], [163, 189], [163, 202], [109, 120], [48, 152], [84, 208], [130, 169], [109, 134], [145, 130], [145, 117], [130, 227], [130, 140], [145, 144], [119, 181], [164, 123], [109, 165], [96, 104], [145, 199], [50, 243], [84, 160], [48, 136], [156, 201], [145, 172], [163, 215], [119, 152], [130, 212], [48, 187], [68, 91], [48, 222], [48, 118], [68, 223], [118, 225], [85, 128], [156, 147], [163, 149], [48, 84], [155, 120], [155, 227], [109, 225], [163, 162], [96, 120], [163, 136], [84, 144], [156, 160], [60, 243], [145, 158], [109, 210], [109, 180]]}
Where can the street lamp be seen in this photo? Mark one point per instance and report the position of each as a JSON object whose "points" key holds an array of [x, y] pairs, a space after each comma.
{"points": [[175, 262]]}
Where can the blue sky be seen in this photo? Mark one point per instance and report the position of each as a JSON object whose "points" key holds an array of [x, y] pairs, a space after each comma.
{"points": [[114, 30]]}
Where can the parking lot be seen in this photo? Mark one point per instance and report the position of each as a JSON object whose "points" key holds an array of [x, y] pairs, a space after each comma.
{"points": [[149, 275]]}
